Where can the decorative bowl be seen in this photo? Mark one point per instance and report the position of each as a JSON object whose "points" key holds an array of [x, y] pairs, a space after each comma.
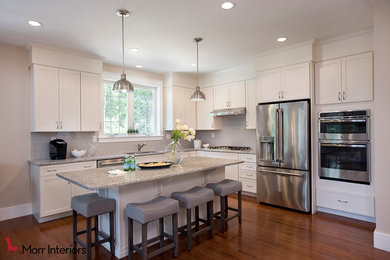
{"points": [[206, 145], [77, 153]]}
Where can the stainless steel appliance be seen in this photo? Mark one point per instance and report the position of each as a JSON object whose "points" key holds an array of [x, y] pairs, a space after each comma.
{"points": [[283, 154], [110, 162], [344, 146]]}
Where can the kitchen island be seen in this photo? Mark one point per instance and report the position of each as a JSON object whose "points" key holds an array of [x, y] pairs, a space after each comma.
{"points": [[144, 185]]}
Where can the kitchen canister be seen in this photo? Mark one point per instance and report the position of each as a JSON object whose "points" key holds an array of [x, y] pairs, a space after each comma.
{"points": [[197, 143]]}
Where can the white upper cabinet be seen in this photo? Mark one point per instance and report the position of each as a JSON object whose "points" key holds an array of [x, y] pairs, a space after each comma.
{"points": [[230, 95], [348, 79], [44, 101], [251, 103], [285, 83], [91, 102], [204, 121], [69, 100]]}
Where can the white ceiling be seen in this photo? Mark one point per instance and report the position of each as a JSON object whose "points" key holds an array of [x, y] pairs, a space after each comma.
{"points": [[164, 29]]}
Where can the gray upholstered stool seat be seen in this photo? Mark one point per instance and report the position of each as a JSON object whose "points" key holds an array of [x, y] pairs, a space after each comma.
{"points": [[152, 210], [225, 187], [193, 197], [146, 212], [90, 205]]}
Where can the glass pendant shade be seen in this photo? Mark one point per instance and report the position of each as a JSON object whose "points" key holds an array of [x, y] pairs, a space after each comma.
{"points": [[198, 95], [123, 85]]}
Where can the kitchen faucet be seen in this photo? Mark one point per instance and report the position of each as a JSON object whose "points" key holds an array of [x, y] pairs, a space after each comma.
{"points": [[140, 147]]}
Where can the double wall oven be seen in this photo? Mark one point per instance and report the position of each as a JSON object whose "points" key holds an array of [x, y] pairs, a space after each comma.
{"points": [[344, 146]]}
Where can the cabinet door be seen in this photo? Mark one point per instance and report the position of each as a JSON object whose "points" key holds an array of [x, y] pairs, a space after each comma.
{"points": [[231, 172], [91, 102], [357, 78], [178, 97], [44, 93], [221, 96], [237, 94], [328, 81], [189, 108], [55, 195], [296, 82], [251, 103], [69, 86], [269, 85], [204, 121]]}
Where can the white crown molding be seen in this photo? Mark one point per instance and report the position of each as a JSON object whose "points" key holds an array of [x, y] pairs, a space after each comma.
{"points": [[342, 37], [15, 211]]}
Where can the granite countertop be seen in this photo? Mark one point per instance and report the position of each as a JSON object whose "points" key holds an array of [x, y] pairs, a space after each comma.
{"points": [[113, 156], [96, 179]]}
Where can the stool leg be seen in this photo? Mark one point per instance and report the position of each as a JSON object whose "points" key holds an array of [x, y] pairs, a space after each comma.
{"points": [[161, 226], [189, 235], [197, 218], [223, 209], [239, 208], [130, 237], [96, 228], [145, 241], [74, 229], [112, 240], [175, 235], [89, 249], [210, 213], [227, 207]]}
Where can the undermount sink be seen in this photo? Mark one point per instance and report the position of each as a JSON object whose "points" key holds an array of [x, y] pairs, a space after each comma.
{"points": [[146, 153]]}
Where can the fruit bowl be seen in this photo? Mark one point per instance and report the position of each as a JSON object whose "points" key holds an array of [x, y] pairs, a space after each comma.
{"points": [[78, 153]]}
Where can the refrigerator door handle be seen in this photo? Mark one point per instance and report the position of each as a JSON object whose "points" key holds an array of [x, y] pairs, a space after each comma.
{"points": [[277, 135], [283, 173], [281, 137]]}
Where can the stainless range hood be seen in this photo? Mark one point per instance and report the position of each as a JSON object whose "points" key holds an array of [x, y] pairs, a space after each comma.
{"points": [[228, 112]]}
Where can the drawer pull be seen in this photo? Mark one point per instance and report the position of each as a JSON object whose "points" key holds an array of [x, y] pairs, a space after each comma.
{"points": [[249, 175], [87, 166], [249, 186], [343, 201], [54, 170]]}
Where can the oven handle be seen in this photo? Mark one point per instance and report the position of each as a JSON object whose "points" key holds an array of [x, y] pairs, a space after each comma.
{"points": [[342, 120], [283, 173], [344, 145]]}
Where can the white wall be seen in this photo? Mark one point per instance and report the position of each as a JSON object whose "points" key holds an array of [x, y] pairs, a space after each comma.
{"points": [[15, 126], [382, 122]]}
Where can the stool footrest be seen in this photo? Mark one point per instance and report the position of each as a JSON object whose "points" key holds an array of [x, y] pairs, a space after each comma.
{"points": [[154, 239], [160, 250], [233, 209]]}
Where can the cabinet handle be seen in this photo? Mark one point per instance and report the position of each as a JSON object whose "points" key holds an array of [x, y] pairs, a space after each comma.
{"points": [[339, 95], [282, 94], [279, 94], [343, 201], [249, 186], [249, 175], [212, 124], [100, 125], [61, 125], [87, 166], [246, 123], [57, 124], [54, 170], [343, 95]]}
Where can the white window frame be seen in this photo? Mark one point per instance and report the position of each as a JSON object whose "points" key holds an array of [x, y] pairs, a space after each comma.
{"points": [[158, 115]]}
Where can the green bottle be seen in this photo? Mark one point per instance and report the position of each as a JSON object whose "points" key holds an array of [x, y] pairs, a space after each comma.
{"points": [[132, 163], [126, 164]]}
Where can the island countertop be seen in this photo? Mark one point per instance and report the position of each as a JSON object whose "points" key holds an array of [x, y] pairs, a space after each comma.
{"points": [[96, 179]]}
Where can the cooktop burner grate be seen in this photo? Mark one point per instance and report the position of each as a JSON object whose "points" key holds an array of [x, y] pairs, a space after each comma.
{"points": [[232, 148]]}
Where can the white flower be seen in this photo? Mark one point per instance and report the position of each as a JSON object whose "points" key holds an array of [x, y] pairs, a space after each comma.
{"points": [[185, 127], [180, 127], [192, 131], [177, 121], [189, 138]]}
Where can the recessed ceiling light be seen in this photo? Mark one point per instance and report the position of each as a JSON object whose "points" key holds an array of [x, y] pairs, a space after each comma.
{"points": [[193, 64], [227, 5], [282, 39], [134, 49], [139, 66], [34, 23]]}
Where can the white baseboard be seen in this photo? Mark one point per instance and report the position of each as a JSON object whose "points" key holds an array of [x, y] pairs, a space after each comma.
{"points": [[15, 211], [346, 214], [382, 241]]}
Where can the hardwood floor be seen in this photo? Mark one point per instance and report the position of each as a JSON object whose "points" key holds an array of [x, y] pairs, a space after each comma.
{"points": [[267, 233]]}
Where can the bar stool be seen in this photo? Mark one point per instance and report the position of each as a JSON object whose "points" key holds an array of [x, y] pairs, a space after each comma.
{"points": [[91, 205], [193, 198], [144, 213], [223, 189]]}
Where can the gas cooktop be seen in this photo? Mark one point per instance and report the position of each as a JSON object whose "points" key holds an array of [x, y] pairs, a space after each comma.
{"points": [[231, 148]]}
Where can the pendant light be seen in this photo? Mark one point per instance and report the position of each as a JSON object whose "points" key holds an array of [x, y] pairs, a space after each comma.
{"points": [[123, 85], [198, 95]]}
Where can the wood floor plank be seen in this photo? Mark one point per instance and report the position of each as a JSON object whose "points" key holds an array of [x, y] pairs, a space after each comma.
{"points": [[266, 233]]}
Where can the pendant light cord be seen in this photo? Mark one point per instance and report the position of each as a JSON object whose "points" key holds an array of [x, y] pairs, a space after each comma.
{"points": [[197, 64], [123, 45]]}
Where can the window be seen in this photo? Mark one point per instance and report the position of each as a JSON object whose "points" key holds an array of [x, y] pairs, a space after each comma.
{"points": [[123, 111]]}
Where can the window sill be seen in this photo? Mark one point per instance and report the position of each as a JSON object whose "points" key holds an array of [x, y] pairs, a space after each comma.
{"points": [[129, 138]]}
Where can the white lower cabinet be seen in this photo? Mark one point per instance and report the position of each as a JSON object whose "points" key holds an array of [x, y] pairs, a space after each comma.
{"points": [[190, 154], [247, 173], [51, 194], [231, 172], [361, 204]]}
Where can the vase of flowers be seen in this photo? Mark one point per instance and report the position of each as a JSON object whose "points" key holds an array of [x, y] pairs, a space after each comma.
{"points": [[174, 151]]}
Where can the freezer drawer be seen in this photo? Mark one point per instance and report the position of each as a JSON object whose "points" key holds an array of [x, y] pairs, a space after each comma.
{"points": [[283, 187]]}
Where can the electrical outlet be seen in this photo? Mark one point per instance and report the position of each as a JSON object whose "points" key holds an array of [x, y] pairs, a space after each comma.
{"points": [[213, 135]]}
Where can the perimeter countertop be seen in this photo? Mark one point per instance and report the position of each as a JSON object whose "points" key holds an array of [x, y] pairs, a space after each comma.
{"points": [[96, 179], [113, 156]]}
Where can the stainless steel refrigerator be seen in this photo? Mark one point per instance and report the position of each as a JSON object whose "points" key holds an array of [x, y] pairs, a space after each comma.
{"points": [[283, 154]]}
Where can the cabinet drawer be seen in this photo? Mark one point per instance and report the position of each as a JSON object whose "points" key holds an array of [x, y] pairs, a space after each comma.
{"points": [[248, 185], [248, 158], [232, 156], [248, 174], [52, 170], [354, 203], [248, 166], [201, 153]]}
